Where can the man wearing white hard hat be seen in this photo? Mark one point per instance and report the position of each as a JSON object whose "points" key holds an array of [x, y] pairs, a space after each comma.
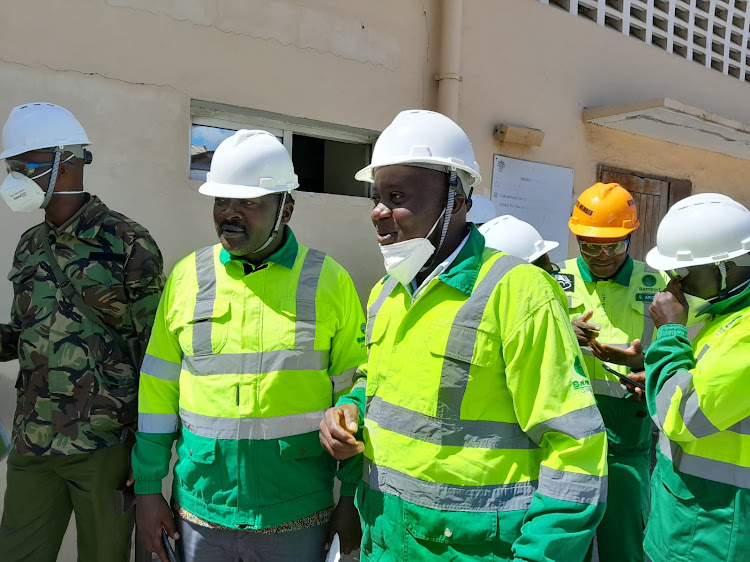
{"points": [[481, 436], [697, 393], [254, 338], [482, 210], [86, 284], [518, 238]]}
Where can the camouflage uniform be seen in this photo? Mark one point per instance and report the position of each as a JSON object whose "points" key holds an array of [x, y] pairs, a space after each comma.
{"points": [[76, 387]]}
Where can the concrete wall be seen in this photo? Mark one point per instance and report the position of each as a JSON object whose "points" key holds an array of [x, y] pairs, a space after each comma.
{"points": [[129, 68]]}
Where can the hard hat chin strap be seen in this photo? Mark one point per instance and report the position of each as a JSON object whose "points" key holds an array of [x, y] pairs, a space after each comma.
{"points": [[52, 178], [452, 187], [276, 226]]}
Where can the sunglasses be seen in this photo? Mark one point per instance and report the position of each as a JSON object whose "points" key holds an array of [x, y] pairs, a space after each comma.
{"points": [[612, 249], [679, 273], [26, 168]]}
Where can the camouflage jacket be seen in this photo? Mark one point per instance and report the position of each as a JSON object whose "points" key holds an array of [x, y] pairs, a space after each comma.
{"points": [[76, 388]]}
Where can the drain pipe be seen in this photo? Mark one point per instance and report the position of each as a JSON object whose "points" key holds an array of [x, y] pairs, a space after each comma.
{"points": [[450, 58]]}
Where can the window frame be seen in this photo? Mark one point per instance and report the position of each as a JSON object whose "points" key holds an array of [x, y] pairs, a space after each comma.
{"points": [[233, 118]]}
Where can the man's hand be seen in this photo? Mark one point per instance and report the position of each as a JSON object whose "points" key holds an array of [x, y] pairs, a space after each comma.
{"points": [[631, 357], [670, 306], [151, 514], [639, 395], [585, 332], [345, 522], [337, 430]]}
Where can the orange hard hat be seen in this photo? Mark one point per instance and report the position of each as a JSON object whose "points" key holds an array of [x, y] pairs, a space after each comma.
{"points": [[604, 210]]}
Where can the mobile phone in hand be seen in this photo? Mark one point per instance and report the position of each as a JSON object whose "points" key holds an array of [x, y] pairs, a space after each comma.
{"points": [[168, 546], [624, 378]]}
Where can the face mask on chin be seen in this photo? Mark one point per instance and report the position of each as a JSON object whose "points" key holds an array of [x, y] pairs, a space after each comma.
{"points": [[696, 306], [403, 260]]}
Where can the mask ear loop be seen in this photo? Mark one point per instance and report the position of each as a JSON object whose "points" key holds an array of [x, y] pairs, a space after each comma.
{"points": [[276, 226]]}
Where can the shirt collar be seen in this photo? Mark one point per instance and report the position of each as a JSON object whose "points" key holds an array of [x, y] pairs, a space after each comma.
{"points": [[85, 223], [285, 255], [464, 269], [441, 267], [622, 277]]}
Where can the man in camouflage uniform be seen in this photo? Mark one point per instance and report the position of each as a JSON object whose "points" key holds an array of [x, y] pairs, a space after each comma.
{"points": [[77, 385]]}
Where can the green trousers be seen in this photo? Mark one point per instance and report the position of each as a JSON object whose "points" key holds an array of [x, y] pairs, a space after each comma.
{"points": [[620, 534], [43, 491]]}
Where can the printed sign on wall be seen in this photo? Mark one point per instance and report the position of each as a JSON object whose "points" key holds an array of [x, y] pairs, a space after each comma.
{"points": [[539, 194]]}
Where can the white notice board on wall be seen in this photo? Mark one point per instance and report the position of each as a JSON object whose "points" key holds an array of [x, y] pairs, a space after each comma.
{"points": [[539, 194]]}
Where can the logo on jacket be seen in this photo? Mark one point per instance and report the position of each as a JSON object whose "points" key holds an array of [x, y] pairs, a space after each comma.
{"points": [[648, 280], [566, 281]]}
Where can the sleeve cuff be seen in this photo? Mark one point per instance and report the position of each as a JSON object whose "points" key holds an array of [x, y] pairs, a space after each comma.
{"points": [[148, 486], [348, 488], [672, 330]]}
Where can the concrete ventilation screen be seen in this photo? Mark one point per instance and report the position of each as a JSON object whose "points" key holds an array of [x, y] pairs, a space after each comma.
{"points": [[713, 33]]}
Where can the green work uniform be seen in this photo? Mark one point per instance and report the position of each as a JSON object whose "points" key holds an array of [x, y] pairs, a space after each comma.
{"points": [[697, 395], [242, 363], [620, 307], [482, 437]]}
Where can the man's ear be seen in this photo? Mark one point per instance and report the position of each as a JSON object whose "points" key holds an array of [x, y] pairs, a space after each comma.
{"points": [[286, 213], [459, 203]]}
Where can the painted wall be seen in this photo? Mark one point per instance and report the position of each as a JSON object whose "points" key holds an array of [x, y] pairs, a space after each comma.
{"points": [[129, 68]]}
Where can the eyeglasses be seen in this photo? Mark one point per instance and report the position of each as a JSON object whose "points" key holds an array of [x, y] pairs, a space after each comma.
{"points": [[679, 273], [25, 168], [615, 248]]}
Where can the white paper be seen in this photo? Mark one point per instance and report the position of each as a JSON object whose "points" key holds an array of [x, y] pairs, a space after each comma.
{"points": [[539, 194], [334, 554]]}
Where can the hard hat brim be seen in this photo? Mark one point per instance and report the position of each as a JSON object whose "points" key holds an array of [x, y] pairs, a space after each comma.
{"points": [[661, 262], [11, 152], [230, 191], [600, 231], [368, 173], [548, 246]]}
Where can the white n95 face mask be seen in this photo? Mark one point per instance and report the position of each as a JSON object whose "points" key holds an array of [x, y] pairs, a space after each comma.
{"points": [[403, 260], [21, 194]]}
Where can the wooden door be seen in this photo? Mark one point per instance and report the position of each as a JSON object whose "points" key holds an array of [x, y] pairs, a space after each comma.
{"points": [[653, 197]]}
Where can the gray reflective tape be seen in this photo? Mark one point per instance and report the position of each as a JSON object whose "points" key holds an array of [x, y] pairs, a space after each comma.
{"points": [[710, 469], [451, 433], [742, 427], [694, 418], [702, 353], [157, 423], [361, 383], [160, 368], [256, 363], [307, 289], [578, 424], [609, 388], [344, 380], [250, 428], [462, 338], [572, 486], [372, 312], [681, 379], [204, 300], [452, 497]]}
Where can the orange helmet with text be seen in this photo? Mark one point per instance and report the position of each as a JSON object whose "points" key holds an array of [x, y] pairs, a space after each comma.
{"points": [[604, 210]]}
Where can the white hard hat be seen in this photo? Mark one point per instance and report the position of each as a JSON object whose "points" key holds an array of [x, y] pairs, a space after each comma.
{"points": [[34, 126], [420, 137], [482, 210], [250, 164], [516, 237], [701, 229]]}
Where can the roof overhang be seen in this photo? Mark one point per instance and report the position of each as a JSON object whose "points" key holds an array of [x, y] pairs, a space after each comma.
{"points": [[672, 121]]}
